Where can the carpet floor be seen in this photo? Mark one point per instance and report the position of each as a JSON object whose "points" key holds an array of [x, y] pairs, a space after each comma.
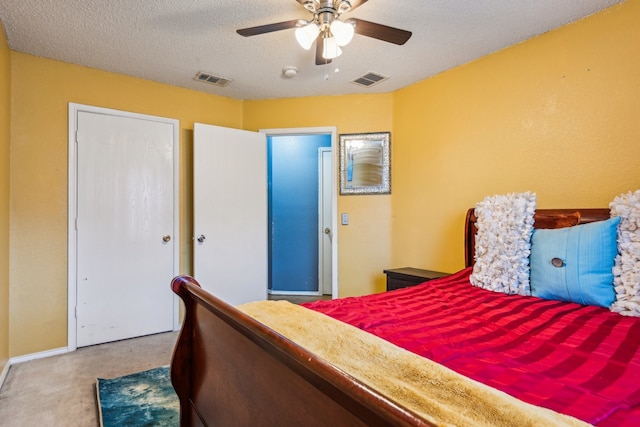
{"points": [[60, 390]]}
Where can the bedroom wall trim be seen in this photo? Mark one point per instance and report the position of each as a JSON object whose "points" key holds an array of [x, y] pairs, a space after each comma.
{"points": [[301, 293], [39, 355], [3, 374]]}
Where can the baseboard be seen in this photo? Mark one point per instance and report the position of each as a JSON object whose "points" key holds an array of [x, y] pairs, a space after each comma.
{"points": [[4, 373], [40, 355], [297, 293]]}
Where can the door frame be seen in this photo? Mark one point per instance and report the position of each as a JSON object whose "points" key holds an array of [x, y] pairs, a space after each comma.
{"points": [[332, 130], [74, 109], [321, 233]]}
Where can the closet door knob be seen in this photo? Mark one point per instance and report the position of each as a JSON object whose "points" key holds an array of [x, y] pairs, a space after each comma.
{"points": [[166, 238], [201, 238]]}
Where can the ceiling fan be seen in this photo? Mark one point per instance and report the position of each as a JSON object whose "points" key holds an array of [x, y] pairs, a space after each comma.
{"points": [[327, 30]]}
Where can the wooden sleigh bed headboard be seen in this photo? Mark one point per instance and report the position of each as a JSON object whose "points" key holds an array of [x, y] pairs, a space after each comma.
{"points": [[543, 218], [230, 370]]}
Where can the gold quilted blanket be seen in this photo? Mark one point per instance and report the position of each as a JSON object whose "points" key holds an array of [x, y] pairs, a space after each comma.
{"points": [[433, 391]]}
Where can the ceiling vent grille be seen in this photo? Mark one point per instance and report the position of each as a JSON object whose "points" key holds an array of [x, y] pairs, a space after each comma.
{"points": [[211, 79], [369, 79]]}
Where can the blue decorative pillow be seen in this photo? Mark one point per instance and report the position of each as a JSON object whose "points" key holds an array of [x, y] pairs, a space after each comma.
{"points": [[575, 263]]}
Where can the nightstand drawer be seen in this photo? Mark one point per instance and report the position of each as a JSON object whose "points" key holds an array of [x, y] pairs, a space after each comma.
{"points": [[398, 278]]}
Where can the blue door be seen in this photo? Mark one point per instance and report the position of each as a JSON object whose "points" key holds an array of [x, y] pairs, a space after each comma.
{"points": [[293, 211]]}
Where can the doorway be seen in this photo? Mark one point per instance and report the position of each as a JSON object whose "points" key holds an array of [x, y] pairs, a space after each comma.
{"points": [[123, 225], [302, 244]]}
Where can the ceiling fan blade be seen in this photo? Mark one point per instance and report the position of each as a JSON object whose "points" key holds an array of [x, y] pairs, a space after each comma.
{"points": [[320, 60], [381, 32], [269, 28]]}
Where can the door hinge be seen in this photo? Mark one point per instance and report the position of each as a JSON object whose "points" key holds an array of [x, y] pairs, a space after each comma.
{"points": [[76, 311], [76, 224]]}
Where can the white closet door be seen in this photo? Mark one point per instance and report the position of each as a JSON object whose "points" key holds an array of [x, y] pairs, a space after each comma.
{"points": [[125, 227]]}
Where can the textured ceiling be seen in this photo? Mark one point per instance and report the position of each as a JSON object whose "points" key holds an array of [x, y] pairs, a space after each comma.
{"points": [[169, 41]]}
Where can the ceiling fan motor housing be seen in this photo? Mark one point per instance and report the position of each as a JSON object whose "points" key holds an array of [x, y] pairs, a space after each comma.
{"points": [[329, 8]]}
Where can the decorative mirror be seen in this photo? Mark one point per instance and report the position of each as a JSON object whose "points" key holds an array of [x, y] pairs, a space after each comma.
{"points": [[365, 163]]}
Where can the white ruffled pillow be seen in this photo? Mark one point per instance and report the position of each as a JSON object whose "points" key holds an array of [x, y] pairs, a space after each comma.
{"points": [[503, 243], [626, 272]]}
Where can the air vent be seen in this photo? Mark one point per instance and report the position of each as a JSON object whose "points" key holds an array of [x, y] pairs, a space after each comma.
{"points": [[369, 79], [211, 79]]}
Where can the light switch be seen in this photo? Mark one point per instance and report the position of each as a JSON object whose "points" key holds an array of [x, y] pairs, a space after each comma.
{"points": [[345, 219]]}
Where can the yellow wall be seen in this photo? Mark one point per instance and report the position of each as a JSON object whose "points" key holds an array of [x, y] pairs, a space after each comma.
{"points": [[557, 115], [41, 92], [364, 245], [5, 123]]}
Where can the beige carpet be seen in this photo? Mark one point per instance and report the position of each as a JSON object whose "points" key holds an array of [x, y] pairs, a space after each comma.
{"points": [[60, 390]]}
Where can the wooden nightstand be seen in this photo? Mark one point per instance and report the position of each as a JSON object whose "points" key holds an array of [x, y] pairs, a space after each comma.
{"points": [[408, 276]]}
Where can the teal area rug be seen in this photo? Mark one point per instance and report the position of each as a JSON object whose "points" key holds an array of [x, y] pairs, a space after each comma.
{"points": [[141, 399]]}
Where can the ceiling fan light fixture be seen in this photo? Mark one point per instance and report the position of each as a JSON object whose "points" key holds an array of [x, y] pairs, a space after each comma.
{"points": [[343, 6], [330, 48], [307, 35], [342, 31], [311, 6]]}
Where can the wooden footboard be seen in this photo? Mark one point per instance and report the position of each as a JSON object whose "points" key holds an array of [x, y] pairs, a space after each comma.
{"points": [[230, 370], [544, 218]]}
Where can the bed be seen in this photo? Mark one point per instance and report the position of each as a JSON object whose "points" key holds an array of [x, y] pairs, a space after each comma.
{"points": [[506, 360]]}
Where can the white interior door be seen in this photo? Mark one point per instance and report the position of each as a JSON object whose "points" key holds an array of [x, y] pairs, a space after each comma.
{"points": [[325, 212], [230, 212], [126, 226]]}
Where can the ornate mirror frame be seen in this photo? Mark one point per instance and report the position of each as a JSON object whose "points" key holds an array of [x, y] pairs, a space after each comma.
{"points": [[365, 163]]}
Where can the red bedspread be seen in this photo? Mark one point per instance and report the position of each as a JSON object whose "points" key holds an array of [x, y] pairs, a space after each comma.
{"points": [[583, 361]]}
